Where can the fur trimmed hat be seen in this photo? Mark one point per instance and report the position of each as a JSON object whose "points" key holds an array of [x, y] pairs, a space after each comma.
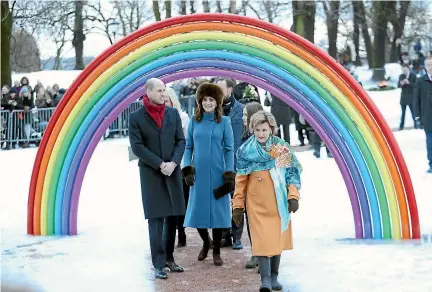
{"points": [[209, 89]]}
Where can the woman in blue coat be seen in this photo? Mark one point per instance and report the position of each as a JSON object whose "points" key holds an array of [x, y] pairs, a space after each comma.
{"points": [[209, 169]]}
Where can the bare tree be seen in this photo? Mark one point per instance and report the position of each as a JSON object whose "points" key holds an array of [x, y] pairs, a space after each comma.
{"points": [[206, 6], [156, 11], [133, 14], [183, 8], [360, 18], [304, 19], [331, 9], [6, 33], [167, 9]]}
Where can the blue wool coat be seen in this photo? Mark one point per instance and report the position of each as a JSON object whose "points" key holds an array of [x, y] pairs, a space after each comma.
{"points": [[210, 150]]}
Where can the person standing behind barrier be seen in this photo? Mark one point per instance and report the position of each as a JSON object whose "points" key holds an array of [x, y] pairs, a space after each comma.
{"points": [[248, 111], [209, 169], [11, 102], [157, 139], [407, 82], [26, 118], [268, 184], [234, 110], [423, 107], [282, 113], [171, 100]]}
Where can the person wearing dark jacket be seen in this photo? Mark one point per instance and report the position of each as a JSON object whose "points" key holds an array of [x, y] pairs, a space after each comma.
{"points": [[283, 114], [233, 109], [248, 112], [423, 107], [407, 82], [157, 139]]}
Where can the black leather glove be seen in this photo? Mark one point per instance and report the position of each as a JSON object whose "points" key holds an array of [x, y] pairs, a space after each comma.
{"points": [[237, 216], [293, 205], [228, 185], [188, 174]]}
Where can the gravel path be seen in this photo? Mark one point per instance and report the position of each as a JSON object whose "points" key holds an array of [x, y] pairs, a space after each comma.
{"points": [[204, 276]]}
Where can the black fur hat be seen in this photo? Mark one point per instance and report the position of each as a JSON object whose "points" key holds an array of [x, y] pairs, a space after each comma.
{"points": [[209, 89]]}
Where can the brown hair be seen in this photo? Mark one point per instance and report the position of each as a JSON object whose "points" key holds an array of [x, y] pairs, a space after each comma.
{"points": [[262, 117], [214, 91], [251, 109], [229, 82]]}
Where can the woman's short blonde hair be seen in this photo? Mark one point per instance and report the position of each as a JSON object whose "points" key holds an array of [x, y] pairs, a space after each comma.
{"points": [[174, 99], [262, 117]]}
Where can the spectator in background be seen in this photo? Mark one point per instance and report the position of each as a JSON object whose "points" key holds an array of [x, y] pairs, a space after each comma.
{"points": [[17, 86], [25, 82], [27, 118], [423, 107], [245, 93], [407, 82], [282, 113], [11, 102]]}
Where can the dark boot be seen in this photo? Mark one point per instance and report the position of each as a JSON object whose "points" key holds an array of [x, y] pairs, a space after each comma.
{"points": [[206, 243], [204, 252], [217, 236], [274, 263], [252, 263], [217, 260], [265, 273], [181, 237]]}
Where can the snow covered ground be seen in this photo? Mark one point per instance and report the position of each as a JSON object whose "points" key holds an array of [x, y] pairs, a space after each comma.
{"points": [[112, 253]]}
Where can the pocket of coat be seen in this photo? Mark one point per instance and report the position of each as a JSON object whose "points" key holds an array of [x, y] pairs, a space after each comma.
{"points": [[255, 186]]}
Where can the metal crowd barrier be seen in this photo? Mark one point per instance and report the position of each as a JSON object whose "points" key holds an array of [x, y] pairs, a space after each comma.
{"points": [[27, 127]]}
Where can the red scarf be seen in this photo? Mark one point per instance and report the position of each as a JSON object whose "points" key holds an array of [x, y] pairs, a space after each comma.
{"points": [[156, 112]]}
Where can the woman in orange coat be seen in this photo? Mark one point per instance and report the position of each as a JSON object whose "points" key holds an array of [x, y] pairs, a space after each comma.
{"points": [[267, 184]]}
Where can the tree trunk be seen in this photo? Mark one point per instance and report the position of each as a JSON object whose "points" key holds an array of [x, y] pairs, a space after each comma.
{"points": [[304, 19], [167, 9], [206, 6], [359, 6], [79, 36], [398, 23], [183, 8], [380, 36], [268, 7], [219, 6], [332, 21], [356, 36], [6, 32], [156, 11], [233, 7], [192, 7]]}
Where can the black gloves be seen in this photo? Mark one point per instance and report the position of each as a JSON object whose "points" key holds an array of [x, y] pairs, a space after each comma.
{"points": [[227, 187], [293, 205], [188, 175], [237, 215]]}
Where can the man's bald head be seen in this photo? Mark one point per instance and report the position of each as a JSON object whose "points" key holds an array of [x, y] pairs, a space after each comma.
{"points": [[155, 90]]}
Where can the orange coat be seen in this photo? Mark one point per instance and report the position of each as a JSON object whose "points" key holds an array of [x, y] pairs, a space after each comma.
{"points": [[256, 192]]}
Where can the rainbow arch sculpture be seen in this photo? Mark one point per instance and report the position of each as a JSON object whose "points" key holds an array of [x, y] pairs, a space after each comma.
{"points": [[307, 78]]}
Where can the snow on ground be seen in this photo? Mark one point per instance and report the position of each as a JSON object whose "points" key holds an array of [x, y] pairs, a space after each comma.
{"points": [[112, 253]]}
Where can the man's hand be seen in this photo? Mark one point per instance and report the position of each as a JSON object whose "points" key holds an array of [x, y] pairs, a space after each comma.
{"points": [[167, 168]]}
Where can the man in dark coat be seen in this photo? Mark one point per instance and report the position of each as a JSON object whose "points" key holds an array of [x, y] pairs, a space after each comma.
{"points": [[282, 113], [233, 109], [423, 107], [157, 139], [407, 82]]}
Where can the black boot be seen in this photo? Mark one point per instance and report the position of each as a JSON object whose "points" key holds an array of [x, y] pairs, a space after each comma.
{"points": [[203, 233], [274, 263], [181, 237], [265, 273], [217, 260]]}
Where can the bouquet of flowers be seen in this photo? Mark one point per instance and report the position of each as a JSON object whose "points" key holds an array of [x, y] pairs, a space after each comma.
{"points": [[250, 93]]}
